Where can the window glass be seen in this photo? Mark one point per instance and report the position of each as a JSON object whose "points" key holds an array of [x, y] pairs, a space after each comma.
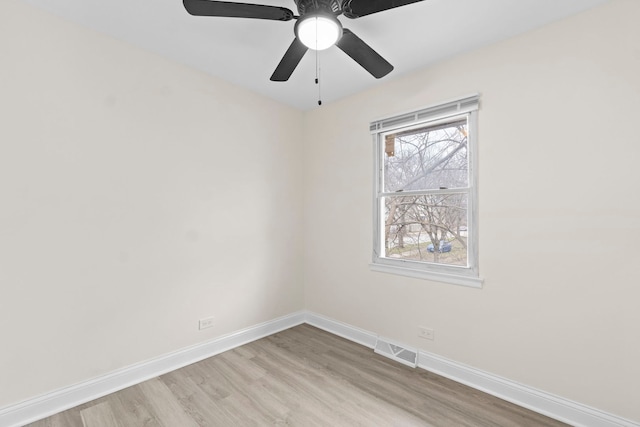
{"points": [[427, 158], [430, 228]]}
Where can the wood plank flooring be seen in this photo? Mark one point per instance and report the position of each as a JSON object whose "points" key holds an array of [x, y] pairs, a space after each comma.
{"points": [[299, 377]]}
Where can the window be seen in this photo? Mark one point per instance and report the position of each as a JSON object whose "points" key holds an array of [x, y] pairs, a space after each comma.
{"points": [[425, 215]]}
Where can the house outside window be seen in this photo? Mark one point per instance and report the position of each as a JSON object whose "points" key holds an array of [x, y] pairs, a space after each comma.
{"points": [[426, 193]]}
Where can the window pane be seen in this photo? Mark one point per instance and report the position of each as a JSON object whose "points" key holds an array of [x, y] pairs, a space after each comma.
{"points": [[428, 158], [429, 228]]}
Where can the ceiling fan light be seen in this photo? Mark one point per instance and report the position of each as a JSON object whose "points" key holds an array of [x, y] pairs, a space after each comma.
{"points": [[318, 32]]}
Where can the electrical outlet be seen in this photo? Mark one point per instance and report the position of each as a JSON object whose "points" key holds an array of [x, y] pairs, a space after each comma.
{"points": [[205, 323], [426, 333]]}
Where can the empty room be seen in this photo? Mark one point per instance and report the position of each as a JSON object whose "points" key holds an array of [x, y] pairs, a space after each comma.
{"points": [[319, 213]]}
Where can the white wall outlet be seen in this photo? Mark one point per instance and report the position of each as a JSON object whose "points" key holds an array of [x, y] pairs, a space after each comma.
{"points": [[205, 323], [426, 333]]}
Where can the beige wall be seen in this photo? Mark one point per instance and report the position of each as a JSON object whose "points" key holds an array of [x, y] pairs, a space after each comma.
{"points": [[559, 212], [136, 196]]}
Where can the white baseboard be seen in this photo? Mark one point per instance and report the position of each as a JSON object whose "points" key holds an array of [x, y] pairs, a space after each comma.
{"points": [[539, 401], [69, 397], [360, 336], [556, 407]]}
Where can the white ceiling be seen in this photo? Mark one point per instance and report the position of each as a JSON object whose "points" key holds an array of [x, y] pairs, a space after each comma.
{"points": [[246, 51]]}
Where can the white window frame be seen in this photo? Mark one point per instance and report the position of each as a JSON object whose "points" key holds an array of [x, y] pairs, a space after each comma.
{"points": [[466, 107]]}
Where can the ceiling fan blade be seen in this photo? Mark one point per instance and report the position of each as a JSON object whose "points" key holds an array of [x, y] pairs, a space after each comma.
{"points": [[363, 54], [289, 61], [357, 8], [237, 10]]}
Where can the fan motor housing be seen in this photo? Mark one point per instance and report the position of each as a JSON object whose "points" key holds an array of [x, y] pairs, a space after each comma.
{"points": [[310, 6]]}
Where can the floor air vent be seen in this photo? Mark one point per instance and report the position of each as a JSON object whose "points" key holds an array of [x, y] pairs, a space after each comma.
{"points": [[406, 356]]}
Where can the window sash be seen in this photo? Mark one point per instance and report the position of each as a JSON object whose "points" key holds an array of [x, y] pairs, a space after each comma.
{"points": [[411, 239], [425, 192], [422, 125]]}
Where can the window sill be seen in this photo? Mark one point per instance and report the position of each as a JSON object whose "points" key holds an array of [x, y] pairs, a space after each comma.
{"points": [[454, 279]]}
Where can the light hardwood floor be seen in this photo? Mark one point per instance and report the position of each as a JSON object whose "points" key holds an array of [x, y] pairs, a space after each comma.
{"points": [[300, 377]]}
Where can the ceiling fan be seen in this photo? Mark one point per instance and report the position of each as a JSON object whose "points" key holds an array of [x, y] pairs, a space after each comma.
{"points": [[317, 27]]}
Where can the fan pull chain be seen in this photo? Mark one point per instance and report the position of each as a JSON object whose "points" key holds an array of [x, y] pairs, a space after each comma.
{"points": [[318, 78], [318, 68]]}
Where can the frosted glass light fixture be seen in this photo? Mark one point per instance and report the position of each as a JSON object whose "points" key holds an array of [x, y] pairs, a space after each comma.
{"points": [[318, 32]]}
